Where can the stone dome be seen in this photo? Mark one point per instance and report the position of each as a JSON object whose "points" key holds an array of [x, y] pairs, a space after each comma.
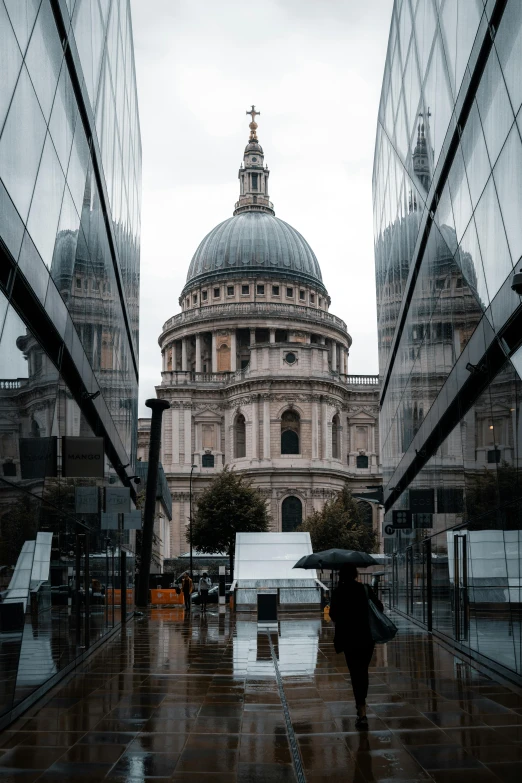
{"points": [[254, 242]]}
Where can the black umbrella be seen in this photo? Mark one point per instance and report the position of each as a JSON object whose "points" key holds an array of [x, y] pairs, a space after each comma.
{"points": [[335, 558]]}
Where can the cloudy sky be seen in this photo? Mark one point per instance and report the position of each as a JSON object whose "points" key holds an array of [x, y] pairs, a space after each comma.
{"points": [[314, 70]]}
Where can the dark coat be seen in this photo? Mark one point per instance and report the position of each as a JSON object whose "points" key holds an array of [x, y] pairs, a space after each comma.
{"points": [[349, 612]]}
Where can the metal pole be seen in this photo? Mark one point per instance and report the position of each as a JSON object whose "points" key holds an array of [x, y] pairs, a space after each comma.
{"points": [[157, 407], [190, 518]]}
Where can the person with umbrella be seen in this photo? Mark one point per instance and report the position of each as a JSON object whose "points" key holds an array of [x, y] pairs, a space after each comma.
{"points": [[350, 614]]}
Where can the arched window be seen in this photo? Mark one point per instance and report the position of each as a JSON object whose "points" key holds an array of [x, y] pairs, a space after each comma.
{"points": [[336, 437], [291, 514], [239, 437], [290, 430]]}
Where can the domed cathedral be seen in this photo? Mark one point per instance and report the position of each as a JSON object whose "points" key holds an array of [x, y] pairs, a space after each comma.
{"points": [[255, 368]]}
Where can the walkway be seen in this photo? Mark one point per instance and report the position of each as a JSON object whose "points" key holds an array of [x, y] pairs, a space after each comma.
{"points": [[200, 700]]}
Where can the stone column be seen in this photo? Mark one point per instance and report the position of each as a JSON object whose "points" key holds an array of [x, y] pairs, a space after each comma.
{"points": [[266, 427], [184, 361], [272, 335], [175, 432], [214, 352], [233, 351], [334, 356], [255, 428], [315, 428], [198, 352], [324, 429], [188, 433], [253, 355], [164, 360]]}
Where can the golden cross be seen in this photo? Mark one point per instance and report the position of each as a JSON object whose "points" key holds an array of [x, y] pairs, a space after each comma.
{"points": [[253, 113]]}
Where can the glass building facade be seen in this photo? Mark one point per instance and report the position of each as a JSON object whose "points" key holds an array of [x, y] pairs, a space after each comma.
{"points": [[447, 190], [70, 189]]}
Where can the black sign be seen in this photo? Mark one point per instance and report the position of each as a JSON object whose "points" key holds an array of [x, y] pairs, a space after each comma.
{"points": [[422, 501], [38, 457], [82, 457], [423, 520], [402, 520]]}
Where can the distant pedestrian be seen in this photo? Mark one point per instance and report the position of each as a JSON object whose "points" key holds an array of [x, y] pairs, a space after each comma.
{"points": [[186, 586], [350, 612], [205, 584]]}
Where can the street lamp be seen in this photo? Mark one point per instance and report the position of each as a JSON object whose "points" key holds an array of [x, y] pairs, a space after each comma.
{"points": [[190, 516]]}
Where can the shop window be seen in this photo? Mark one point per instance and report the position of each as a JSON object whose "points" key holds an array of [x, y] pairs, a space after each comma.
{"points": [[239, 437], [290, 431], [361, 461], [291, 514]]}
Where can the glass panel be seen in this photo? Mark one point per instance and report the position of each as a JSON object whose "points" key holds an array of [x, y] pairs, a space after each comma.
{"points": [[44, 58], [10, 63], [494, 249], [22, 14], [508, 180], [508, 43], [21, 145], [494, 107], [47, 203]]}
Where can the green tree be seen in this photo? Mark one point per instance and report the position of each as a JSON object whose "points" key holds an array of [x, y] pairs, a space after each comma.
{"points": [[339, 526], [228, 506]]}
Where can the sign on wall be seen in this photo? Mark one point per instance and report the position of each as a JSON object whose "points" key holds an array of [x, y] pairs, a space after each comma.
{"points": [[117, 500], [86, 500], [422, 501], [132, 520], [82, 457], [109, 521], [38, 457], [402, 520]]}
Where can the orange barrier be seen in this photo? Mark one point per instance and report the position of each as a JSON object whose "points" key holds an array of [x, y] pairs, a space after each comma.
{"points": [[109, 594], [166, 597]]}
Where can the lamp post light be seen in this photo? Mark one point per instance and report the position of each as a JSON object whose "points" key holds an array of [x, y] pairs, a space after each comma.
{"points": [[190, 517]]}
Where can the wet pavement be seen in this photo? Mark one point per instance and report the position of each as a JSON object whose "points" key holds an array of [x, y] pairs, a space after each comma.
{"points": [[213, 699]]}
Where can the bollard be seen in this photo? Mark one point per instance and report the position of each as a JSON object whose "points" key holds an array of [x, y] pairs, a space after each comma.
{"points": [[142, 591]]}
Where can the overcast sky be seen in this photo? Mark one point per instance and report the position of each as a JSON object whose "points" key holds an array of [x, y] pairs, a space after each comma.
{"points": [[313, 68]]}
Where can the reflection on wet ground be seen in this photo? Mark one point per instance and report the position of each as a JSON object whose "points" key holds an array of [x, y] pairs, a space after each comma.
{"points": [[178, 698]]}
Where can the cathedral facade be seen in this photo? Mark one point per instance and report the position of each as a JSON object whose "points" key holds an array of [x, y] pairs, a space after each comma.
{"points": [[255, 368]]}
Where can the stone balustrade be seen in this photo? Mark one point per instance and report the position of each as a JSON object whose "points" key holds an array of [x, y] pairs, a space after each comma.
{"points": [[253, 309], [189, 378]]}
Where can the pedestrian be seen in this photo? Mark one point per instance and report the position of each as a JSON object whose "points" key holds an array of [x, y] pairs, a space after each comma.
{"points": [[350, 612], [205, 584], [186, 586]]}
